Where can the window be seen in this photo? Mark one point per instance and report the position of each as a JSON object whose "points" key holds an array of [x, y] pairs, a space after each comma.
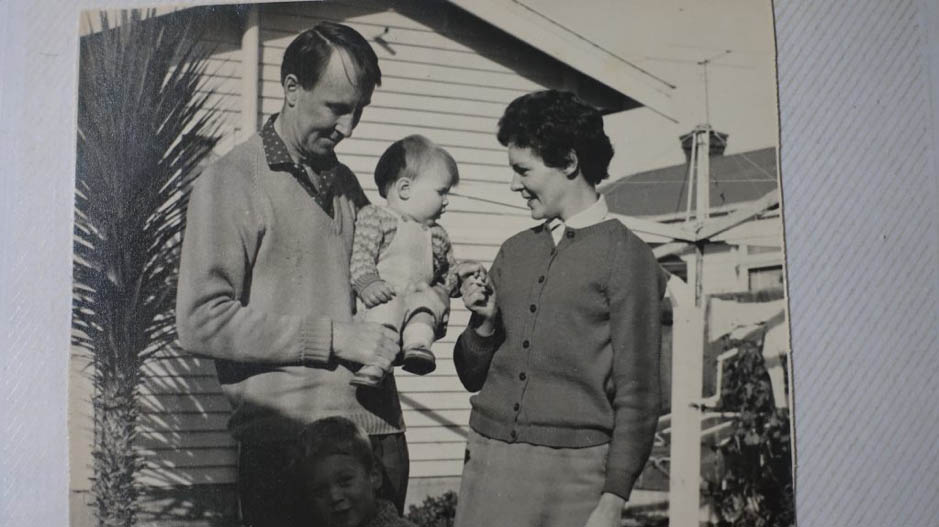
{"points": [[765, 278]]}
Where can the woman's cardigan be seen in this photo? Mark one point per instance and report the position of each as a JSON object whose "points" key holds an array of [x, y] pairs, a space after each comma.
{"points": [[575, 359]]}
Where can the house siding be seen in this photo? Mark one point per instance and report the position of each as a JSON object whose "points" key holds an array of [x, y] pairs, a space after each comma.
{"points": [[447, 80], [182, 432]]}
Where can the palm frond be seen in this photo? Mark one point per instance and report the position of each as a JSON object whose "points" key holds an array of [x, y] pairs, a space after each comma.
{"points": [[143, 129]]}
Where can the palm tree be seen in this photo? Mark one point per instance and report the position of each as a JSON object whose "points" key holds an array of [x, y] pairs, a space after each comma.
{"points": [[143, 128]]}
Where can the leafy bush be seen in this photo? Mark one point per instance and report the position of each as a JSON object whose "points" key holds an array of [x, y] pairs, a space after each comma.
{"points": [[435, 511], [754, 486]]}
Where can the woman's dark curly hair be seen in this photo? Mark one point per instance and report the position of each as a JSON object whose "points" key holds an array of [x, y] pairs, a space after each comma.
{"points": [[553, 124]]}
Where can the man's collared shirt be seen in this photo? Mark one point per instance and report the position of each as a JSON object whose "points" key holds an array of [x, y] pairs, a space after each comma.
{"points": [[317, 180]]}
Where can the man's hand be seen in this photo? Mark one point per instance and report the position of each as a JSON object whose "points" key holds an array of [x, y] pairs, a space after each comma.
{"points": [[608, 512], [364, 342], [377, 292]]}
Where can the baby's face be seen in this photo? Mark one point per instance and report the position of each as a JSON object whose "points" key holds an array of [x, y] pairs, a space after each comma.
{"points": [[429, 192], [342, 491]]}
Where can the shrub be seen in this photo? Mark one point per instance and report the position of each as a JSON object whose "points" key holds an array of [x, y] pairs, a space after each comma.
{"points": [[435, 511], [753, 487]]}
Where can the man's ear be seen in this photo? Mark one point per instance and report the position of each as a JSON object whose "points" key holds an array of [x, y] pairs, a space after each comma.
{"points": [[572, 168], [292, 89], [375, 478], [403, 188]]}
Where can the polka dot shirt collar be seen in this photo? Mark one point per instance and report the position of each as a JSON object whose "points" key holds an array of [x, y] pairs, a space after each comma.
{"points": [[276, 153], [318, 181]]}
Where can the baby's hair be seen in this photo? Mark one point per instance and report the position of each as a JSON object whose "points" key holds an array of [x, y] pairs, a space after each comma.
{"points": [[406, 157], [335, 436]]}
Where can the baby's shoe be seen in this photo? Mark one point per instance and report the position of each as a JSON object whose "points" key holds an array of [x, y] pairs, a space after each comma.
{"points": [[419, 361]]}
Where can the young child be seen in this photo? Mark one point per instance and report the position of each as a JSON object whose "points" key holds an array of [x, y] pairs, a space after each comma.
{"points": [[340, 478], [400, 252]]}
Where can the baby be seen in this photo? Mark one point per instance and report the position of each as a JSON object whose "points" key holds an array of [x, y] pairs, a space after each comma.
{"points": [[340, 478], [400, 252]]}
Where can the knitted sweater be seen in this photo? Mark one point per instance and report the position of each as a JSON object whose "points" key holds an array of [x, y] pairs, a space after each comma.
{"points": [[264, 273], [388, 517], [375, 228], [575, 360]]}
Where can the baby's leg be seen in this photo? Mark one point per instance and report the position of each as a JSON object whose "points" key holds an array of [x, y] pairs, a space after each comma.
{"points": [[418, 334], [389, 314]]}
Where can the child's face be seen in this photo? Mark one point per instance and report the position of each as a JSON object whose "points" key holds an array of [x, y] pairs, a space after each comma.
{"points": [[343, 491], [427, 194]]}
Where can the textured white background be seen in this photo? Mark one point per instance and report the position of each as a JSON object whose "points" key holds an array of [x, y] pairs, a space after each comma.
{"points": [[859, 118]]}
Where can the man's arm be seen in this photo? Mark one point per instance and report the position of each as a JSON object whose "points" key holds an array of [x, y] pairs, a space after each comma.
{"points": [[225, 225]]}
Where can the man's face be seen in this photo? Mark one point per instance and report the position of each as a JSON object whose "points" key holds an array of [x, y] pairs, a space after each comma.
{"points": [[328, 112], [342, 491]]}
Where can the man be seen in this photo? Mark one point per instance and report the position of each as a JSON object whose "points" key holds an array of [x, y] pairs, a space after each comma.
{"points": [[264, 279]]}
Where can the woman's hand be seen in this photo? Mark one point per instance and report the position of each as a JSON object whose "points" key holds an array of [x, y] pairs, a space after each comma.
{"points": [[479, 297], [608, 512]]}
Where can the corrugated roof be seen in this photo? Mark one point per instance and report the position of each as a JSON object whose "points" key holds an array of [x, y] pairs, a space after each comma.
{"points": [[735, 178]]}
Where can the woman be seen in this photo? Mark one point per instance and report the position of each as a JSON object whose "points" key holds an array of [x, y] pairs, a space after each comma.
{"points": [[563, 342]]}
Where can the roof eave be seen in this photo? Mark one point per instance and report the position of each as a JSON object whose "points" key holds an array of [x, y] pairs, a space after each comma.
{"points": [[581, 55]]}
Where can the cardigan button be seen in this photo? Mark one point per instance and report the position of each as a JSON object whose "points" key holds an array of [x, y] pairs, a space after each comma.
{"points": [[516, 406], [541, 279], [514, 435], [526, 344], [533, 308], [522, 376], [570, 234]]}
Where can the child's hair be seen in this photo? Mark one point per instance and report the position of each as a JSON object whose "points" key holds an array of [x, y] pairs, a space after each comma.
{"points": [[406, 157], [335, 436]]}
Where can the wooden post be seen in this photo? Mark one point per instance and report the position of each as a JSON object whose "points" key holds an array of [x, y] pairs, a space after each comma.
{"points": [[250, 72], [702, 161], [685, 452], [684, 498]]}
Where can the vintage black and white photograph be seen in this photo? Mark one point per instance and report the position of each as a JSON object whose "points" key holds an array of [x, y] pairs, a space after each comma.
{"points": [[430, 263]]}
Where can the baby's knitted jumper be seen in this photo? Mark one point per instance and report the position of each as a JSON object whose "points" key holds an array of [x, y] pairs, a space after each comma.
{"points": [[375, 228]]}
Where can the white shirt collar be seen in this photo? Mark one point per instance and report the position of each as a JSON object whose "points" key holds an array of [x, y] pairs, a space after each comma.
{"points": [[592, 215]]}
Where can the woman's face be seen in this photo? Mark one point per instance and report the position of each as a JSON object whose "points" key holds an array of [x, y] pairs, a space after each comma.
{"points": [[543, 188]]}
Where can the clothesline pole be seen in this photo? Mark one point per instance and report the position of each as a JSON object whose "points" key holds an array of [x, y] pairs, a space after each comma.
{"points": [[684, 498]]}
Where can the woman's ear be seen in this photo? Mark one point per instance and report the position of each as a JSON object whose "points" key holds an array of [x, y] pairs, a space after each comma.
{"points": [[572, 168], [292, 89], [403, 188]]}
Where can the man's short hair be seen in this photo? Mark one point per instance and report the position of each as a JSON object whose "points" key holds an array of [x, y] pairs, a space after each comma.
{"points": [[332, 436], [406, 157], [307, 56]]}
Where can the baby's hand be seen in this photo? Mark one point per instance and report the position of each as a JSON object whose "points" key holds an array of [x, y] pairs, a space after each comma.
{"points": [[468, 269], [481, 277], [376, 293]]}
